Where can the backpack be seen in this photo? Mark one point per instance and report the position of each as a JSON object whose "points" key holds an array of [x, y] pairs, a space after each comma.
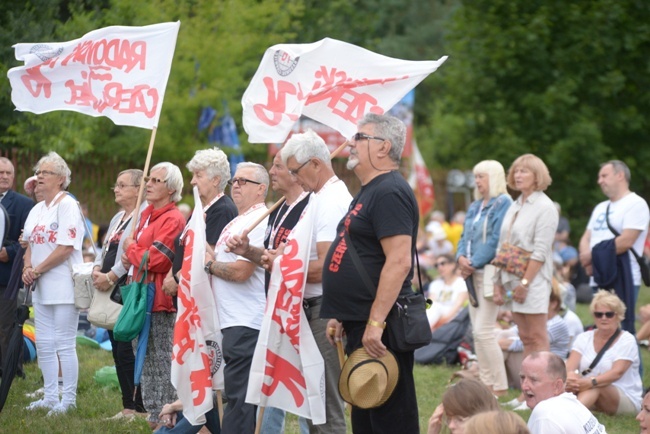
{"points": [[445, 341]]}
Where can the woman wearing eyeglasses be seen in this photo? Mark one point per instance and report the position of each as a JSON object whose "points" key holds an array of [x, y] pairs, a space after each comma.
{"points": [[54, 230], [108, 269], [448, 293], [461, 401], [613, 385], [476, 248], [158, 226]]}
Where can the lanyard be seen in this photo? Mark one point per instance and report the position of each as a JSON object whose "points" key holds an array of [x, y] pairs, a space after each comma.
{"points": [[276, 226], [225, 233]]}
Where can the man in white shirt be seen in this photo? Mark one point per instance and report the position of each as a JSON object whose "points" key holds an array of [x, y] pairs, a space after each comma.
{"points": [[308, 160], [543, 377], [628, 214], [238, 284]]}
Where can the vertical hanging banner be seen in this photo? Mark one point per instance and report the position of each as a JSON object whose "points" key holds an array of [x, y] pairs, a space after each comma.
{"points": [[197, 359], [119, 72], [329, 81], [288, 371]]}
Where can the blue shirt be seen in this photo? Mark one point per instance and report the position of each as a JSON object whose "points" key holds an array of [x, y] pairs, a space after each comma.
{"points": [[483, 252]]}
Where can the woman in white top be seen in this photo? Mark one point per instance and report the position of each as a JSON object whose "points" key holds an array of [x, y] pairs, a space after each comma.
{"points": [[448, 293], [54, 230], [529, 224], [614, 385]]}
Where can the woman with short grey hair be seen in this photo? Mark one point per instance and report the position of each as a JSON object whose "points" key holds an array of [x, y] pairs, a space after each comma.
{"points": [[159, 225], [54, 230]]}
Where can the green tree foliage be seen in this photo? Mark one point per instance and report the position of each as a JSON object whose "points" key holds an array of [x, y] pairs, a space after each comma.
{"points": [[566, 81]]}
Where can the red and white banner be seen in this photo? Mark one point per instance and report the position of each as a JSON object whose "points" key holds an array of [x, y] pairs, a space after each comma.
{"points": [[330, 81], [420, 181], [288, 371], [118, 72], [197, 359]]}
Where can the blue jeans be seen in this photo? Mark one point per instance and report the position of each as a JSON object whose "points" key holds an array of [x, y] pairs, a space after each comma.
{"points": [[184, 427], [273, 422]]}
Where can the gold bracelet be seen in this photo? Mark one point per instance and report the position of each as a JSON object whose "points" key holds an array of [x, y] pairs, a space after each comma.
{"points": [[26, 267], [381, 325]]}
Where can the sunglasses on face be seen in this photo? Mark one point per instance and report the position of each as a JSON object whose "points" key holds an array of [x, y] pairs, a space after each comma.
{"points": [[363, 136], [441, 263], [242, 181], [609, 314]]}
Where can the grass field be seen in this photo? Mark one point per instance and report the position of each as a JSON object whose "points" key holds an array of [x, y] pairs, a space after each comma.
{"points": [[95, 403]]}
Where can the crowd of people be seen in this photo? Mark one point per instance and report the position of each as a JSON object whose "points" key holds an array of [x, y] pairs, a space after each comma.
{"points": [[505, 258]]}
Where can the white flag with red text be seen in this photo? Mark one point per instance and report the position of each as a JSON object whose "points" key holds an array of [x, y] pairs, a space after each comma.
{"points": [[420, 181], [197, 359], [288, 371], [119, 72], [330, 81]]}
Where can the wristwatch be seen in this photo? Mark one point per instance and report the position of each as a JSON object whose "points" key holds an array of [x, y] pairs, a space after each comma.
{"points": [[208, 266], [524, 282], [594, 382]]}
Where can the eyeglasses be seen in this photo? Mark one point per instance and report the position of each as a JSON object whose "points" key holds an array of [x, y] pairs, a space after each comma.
{"points": [[441, 263], [295, 172], [609, 314], [45, 173], [154, 180], [242, 181], [363, 136], [121, 186]]}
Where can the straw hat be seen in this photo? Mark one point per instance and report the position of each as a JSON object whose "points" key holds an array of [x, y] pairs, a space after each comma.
{"points": [[366, 382]]}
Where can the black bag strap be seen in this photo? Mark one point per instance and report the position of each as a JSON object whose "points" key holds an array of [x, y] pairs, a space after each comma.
{"points": [[617, 233], [602, 351], [361, 269]]}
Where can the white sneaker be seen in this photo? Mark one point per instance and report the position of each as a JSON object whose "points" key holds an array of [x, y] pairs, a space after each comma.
{"points": [[522, 407], [42, 403], [60, 408], [513, 403], [36, 393]]}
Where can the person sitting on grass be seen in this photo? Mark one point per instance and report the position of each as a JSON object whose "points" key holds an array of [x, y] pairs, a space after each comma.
{"points": [[461, 400], [448, 292]]}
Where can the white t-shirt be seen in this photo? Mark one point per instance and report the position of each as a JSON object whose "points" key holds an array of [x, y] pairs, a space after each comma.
{"points": [[563, 414], [574, 324], [625, 348], [444, 297], [241, 303], [332, 203], [629, 212], [45, 229]]}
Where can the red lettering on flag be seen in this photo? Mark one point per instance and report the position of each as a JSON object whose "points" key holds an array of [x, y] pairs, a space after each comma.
{"points": [[35, 81], [201, 380], [286, 312], [276, 102], [282, 371]]}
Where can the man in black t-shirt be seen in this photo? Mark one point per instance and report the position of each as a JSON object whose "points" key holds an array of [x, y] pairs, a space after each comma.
{"points": [[381, 226]]}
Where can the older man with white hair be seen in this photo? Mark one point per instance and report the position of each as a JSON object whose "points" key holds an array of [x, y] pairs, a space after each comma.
{"points": [[308, 160], [238, 284]]}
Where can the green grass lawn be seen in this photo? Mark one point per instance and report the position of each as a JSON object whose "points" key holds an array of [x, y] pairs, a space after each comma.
{"points": [[95, 403]]}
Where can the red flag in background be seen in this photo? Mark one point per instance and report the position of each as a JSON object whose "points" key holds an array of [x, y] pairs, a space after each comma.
{"points": [[420, 181]]}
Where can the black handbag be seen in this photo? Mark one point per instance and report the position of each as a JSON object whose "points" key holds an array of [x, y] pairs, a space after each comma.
{"points": [[116, 293], [407, 325], [642, 260]]}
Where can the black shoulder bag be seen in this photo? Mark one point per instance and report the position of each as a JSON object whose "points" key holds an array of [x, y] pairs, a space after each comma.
{"points": [[407, 325], [600, 354], [643, 263]]}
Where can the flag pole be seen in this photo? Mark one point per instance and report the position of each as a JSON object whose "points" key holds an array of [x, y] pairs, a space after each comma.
{"points": [[268, 212], [220, 406], [260, 418], [136, 214]]}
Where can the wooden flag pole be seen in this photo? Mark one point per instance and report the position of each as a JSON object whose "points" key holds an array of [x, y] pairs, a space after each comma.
{"points": [[260, 418], [136, 214], [220, 406], [268, 212]]}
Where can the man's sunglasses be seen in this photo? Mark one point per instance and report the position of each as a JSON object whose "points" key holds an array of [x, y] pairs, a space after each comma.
{"points": [[363, 136]]}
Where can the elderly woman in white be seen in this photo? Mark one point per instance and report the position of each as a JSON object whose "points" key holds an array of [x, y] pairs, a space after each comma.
{"points": [[54, 230]]}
